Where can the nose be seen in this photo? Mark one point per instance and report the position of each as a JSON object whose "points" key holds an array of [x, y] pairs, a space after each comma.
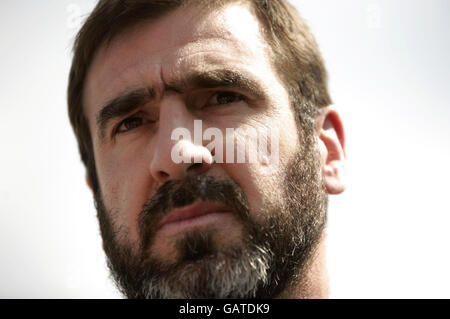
{"points": [[177, 151], [189, 159]]}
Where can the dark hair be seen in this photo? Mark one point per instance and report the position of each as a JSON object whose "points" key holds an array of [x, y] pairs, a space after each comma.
{"points": [[295, 54]]}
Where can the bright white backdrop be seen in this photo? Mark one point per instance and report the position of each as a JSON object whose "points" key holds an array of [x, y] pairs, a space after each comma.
{"points": [[389, 72]]}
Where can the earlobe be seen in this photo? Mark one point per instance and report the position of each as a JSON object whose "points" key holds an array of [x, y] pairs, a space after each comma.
{"points": [[88, 182], [332, 147]]}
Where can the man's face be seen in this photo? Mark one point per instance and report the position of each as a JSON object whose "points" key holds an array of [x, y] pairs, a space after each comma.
{"points": [[214, 68]]}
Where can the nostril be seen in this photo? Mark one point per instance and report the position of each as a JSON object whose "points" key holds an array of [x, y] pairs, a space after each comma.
{"points": [[163, 175]]}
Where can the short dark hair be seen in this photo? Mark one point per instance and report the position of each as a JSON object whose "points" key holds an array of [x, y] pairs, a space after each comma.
{"points": [[295, 54]]}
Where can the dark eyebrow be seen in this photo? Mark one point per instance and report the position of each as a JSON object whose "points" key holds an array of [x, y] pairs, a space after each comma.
{"points": [[122, 105], [218, 78]]}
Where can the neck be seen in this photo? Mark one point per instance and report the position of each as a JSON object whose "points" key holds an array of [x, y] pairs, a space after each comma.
{"points": [[314, 284]]}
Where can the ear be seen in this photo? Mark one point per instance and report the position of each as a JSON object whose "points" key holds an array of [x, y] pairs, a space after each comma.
{"points": [[88, 182], [330, 132]]}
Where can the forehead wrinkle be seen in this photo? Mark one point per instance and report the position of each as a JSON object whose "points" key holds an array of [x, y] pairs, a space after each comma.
{"points": [[205, 55]]}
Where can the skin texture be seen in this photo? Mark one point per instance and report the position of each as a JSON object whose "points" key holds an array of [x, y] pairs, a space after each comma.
{"points": [[132, 165]]}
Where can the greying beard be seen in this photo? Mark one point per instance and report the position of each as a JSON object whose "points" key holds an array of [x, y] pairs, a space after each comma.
{"points": [[236, 273], [273, 255]]}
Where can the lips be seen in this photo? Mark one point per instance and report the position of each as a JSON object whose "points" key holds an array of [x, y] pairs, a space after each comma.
{"points": [[192, 212]]}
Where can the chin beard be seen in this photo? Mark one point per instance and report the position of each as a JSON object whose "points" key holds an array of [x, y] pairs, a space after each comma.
{"points": [[273, 254], [202, 271]]}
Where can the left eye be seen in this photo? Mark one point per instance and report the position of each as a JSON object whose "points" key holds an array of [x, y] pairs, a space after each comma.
{"points": [[225, 97]]}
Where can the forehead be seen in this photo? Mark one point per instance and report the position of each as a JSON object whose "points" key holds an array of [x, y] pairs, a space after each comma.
{"points": [[154, 52]]}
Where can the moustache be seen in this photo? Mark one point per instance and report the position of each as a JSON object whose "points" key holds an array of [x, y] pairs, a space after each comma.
{"points": [[179, 193]]}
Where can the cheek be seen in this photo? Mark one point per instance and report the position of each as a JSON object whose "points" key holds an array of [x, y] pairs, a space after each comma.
{"points": [[124, 181], [262, 181]]}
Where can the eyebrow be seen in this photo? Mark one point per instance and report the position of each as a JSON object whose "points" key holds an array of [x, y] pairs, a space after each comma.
{"points": [[122, 105], [218, 78]]}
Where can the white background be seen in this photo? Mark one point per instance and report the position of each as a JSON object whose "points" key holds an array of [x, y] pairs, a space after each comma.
{"points": [[388, 235]]}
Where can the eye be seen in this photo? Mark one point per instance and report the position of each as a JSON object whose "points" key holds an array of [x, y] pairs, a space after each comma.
{"points": [[225, 97], [129, 124]]}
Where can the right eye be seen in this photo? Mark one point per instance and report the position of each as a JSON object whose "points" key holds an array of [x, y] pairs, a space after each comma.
{"points": [[129, 124]]}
